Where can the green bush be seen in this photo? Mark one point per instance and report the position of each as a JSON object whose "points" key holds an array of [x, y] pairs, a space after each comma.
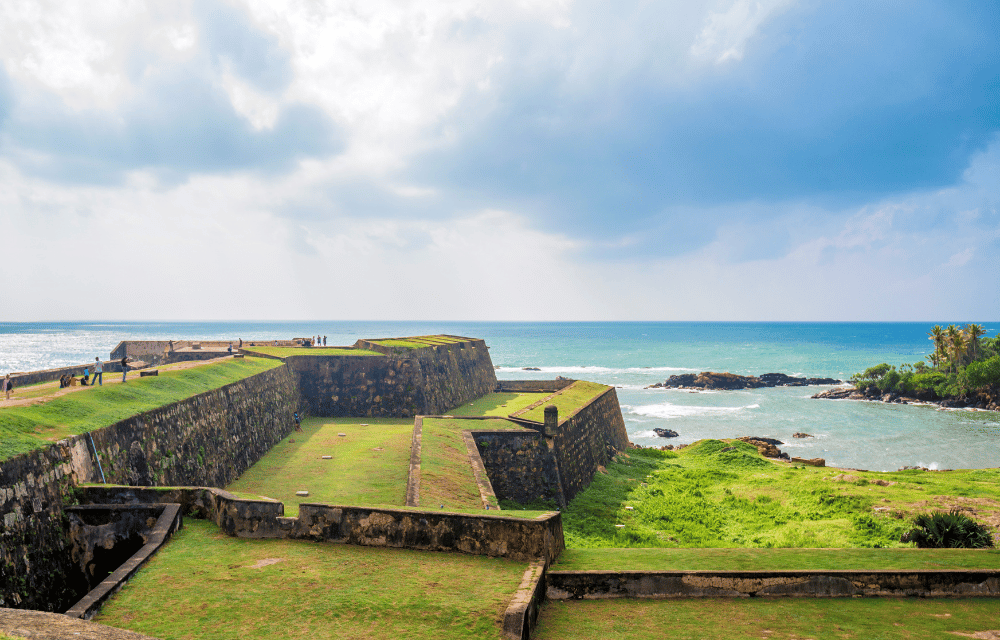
{"points": [[953, 530], [983, 373]]}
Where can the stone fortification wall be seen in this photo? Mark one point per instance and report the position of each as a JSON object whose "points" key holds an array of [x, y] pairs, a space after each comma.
{"points": [[588, 439], [519, 464], [557, 461], [209, 439], [426, 381]]}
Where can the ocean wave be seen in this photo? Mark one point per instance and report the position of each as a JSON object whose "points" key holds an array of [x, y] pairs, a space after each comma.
{"points": [[668, 410], [594, 369]]}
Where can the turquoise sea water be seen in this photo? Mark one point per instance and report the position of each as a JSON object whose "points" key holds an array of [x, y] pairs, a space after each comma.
{"points": [[634, 355]]}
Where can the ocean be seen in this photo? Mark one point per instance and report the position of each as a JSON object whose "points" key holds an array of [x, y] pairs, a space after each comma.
{"points": [[634, 355]]}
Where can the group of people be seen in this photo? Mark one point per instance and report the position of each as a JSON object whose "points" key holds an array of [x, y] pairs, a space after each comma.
{"points": [[319, 340], [92, 376]]}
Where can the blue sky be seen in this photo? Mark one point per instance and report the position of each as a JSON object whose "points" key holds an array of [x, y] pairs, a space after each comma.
{"points": [[544, 160]]}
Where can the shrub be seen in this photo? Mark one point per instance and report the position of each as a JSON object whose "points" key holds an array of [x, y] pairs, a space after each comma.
{"points": [[952, 530], [983, 373]]}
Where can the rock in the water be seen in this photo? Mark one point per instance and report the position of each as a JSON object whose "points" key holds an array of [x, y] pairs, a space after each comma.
{"points": [[665, 433], [731, 381], [802, 435], [530, 369]]}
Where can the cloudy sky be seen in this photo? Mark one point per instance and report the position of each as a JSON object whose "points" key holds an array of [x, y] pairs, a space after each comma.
{"points": [[495, 160]]}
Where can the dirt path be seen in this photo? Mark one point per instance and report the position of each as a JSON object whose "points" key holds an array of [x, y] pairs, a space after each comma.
{"points": [[52, 390]]}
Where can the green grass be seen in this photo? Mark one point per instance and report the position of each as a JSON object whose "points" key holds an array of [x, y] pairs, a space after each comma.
{"points": [[446, 476], [568, 400], [704, 496], [418, 342], [497, 404], [774, 619], [26, 428], [206, 586], [284, 352], [775, 559], [369, 465]]}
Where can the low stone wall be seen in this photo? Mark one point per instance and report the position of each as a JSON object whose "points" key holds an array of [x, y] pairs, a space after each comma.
{"points": [[522, 613], [209, 439], [563, 585], [48, 375], [426, 381], [533, 386], [491, 535]]}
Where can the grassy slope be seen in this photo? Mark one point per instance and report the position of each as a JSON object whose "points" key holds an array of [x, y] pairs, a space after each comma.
{"points": [[497, 404], [284, 352], [204, 585], [705, 497], [359, 472], [568, 400], [775, 559], [25, 428], [417, 342], [446, 476], [774, 619]]}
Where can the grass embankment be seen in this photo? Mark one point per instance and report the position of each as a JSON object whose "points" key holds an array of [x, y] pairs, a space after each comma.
{"points": [[568, 400], [205, 585], [25, 428], [775, 619], [284, 352], [500, 405], [724, 494], [418, 342], [369, 464], [446, 476]]}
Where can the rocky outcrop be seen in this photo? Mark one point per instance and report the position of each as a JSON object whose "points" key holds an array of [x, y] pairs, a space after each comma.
{"points": [[766, 446], [665, 433], [977, 400], [731, 381]]}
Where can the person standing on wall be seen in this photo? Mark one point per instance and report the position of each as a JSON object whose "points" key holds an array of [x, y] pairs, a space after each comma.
{"points": [[98, 373], [124, 368], [324, 341]]}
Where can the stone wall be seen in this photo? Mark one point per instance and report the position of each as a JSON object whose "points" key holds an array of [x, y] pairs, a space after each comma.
{"points": [[588, 439], [209, 439], [426, 381], [525, 466], [533, 386], [564, 585], [519, 465]]}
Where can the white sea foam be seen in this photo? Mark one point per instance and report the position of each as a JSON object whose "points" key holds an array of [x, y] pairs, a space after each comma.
{"points": [[668, 410]]}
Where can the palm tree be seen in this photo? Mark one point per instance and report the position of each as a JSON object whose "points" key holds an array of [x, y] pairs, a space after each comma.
{"points": [[937, 335], [956, 346], [974, 332]]}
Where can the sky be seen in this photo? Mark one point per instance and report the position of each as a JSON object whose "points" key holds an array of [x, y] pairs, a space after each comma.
{"points": [[798, 160]]}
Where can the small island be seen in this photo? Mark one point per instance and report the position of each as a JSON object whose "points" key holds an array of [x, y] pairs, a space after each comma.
{"points": [[962, 372]]}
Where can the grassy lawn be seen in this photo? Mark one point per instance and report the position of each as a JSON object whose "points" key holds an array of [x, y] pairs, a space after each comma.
{"points": [[568, 400], [207, 586], [774, 619], [724, 494], [497, 404], [369, 465], [446, 476], [776, 559], [284, 352], [29, 427]]}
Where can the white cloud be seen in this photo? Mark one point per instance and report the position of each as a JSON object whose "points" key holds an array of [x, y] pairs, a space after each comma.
{"points": [[726, 34]]}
